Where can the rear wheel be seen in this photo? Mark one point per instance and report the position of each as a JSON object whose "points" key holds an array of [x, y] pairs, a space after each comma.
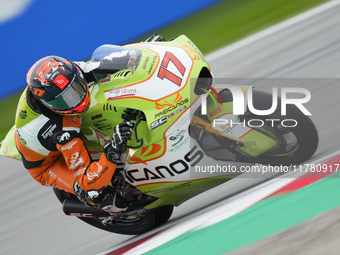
{"points": [[132, 225]]}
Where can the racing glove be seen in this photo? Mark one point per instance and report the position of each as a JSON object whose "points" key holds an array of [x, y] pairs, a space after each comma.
{"points": [[114, 149]]}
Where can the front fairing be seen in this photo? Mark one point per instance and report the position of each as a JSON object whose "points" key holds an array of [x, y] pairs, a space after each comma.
{"points": [[145, 84]]}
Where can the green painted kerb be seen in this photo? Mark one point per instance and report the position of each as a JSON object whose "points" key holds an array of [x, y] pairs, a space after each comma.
{"points": [[259, 221]]}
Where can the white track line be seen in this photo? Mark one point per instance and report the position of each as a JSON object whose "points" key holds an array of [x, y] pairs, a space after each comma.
{"points": [[271, 30], [224, 209]]}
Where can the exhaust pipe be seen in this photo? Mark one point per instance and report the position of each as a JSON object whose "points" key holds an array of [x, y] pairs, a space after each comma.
{"points": [[74, 207]]}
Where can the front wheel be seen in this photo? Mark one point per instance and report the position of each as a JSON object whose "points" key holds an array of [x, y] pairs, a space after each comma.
{"points": [[295, 134], [132, 225]]}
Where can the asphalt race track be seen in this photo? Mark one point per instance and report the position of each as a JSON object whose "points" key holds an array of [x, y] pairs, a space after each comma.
{"points": [[32, 221]]}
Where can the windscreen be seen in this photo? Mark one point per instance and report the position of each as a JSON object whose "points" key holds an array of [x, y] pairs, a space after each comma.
{"points": [[109, 59]]}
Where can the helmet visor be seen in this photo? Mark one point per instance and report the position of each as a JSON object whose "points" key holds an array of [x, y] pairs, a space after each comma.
{"points": [[71, 97]]}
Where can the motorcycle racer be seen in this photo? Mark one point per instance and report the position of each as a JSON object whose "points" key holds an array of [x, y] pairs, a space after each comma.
{"points": [[48, 135], [47, 130]]}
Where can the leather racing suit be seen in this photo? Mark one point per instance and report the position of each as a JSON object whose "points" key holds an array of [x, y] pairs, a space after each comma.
{"points": [[57, 164]]}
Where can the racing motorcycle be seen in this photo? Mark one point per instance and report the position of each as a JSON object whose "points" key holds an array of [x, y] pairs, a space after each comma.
{"points": [[158, 86]]}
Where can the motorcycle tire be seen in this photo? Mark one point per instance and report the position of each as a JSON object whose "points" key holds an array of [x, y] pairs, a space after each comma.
{"points": [[304, 135], [127, 226]]}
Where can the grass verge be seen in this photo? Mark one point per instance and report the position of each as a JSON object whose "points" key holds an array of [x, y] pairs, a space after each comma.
{"points": [[8, 108], [230, 21]]}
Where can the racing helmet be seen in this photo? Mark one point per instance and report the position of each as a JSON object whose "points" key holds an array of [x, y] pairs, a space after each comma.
{"points": [[59, 85]]}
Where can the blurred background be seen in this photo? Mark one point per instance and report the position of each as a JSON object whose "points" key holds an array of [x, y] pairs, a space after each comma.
{"points": [[31, 218], [32, 29]]}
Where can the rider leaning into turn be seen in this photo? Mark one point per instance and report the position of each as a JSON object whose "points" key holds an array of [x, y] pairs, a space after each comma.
{"points": [[48, 135]]}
